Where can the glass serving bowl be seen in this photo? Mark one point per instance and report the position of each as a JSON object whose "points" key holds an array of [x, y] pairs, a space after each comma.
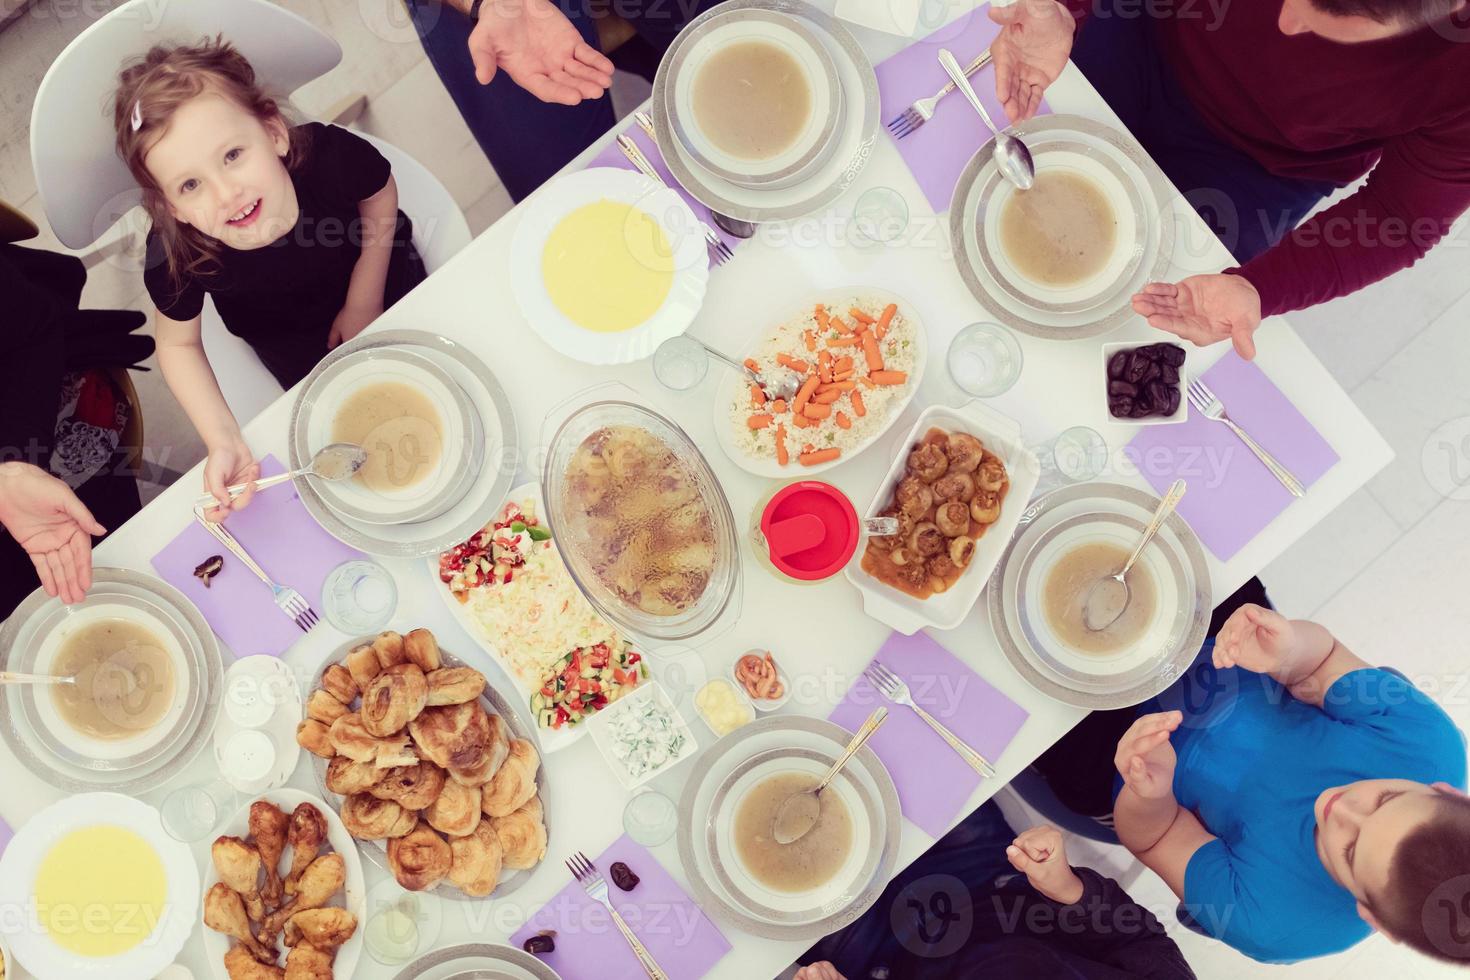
{"points": [[577, 527], [68, 761], [1100, 512]]}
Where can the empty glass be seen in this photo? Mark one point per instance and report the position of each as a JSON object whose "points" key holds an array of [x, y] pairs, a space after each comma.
{"points": [[359, 597], [984, 360], [880, 216], [650, 818], [680, 363], [1076, 455], [191, 813]]}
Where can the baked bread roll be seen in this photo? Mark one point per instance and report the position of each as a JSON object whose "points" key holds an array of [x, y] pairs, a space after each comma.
{"points": [[454, 685], [477, 858], [324, 707], [412, 787], [351, 739], [522, 835], [462, 738], [337, 682], [315, 738], [457, 810], [422, 650], [368, 818], [515, 781], [345, 776], [362, 664], [393, 699], [477, 769], [421, 859], [389, 648]]}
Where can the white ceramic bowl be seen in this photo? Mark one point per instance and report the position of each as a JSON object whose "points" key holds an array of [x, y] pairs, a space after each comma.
{"points": [[600, 722], [1179, 414]]}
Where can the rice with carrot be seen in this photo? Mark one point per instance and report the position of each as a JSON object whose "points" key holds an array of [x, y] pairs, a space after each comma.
{"points": [[856, 356]]}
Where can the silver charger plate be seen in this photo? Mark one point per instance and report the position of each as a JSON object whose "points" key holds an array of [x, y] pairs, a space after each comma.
{"points": [[863, 114], [1055, 322], [483, 498], [27, 737], [494, 703], [477, 961]]}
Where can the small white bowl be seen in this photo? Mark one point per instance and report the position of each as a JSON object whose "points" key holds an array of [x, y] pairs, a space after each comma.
{"points": [[600, 723], [763, 704], [1180, 414], [740, 696]]}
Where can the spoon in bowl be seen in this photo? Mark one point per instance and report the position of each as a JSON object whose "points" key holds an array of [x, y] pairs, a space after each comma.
{"points": [[10, 677], [1011, 155], [686, 348], [798, 813], [336, 461], [1109, 596]]}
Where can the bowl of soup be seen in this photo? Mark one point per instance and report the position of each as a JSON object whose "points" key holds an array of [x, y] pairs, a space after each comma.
{"points": [[755, 98], [423, 437]]}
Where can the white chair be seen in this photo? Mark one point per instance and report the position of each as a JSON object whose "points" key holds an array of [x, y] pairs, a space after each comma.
{"points": [[85, 189]]}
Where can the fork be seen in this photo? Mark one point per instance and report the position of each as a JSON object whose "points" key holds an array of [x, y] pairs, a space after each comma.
{"points": [[595, 885], [718, 250], [1207, 404], [922, 111], [895, 689], [287, 599], [730, 226]]}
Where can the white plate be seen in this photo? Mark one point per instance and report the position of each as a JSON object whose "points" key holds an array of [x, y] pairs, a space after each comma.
{"points": [[561, 197], [734, 385], [352, 896], [477, 961], [34, 948], [945, 611]]}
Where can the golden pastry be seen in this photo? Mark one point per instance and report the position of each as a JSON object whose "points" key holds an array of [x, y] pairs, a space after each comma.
{"points": [[337, 682], [368, 818], [389, 648], [422, 649], [522, 835], [477, 769], [323, 707], [240, 965], [352, 739], [306, 962], [268, 829], [515, 781], [477, 858], [394, 751], [345, 777], [420, 860], [315, 738], [454, 685], [393, 699], [452, 733], [412, 787], [457, 810], [324, 928], [362, 663]]}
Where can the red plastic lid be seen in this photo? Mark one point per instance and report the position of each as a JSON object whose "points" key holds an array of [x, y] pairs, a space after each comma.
{"points": [[811, 530]]}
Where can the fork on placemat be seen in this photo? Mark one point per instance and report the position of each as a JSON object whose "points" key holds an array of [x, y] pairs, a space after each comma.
{"points": [[718, 250], [922, 111], [595, 885], [1207, 404], [287, 599], [895, 689]]}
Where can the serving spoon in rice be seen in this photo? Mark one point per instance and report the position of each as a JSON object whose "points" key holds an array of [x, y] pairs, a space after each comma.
{"points": [[783, 386]]}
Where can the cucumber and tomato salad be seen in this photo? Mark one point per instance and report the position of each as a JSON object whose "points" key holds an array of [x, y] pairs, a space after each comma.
{"points": [[584, 682]]}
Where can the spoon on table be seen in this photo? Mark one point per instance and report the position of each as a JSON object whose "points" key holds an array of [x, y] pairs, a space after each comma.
{"points": [[1109, 596], [798, 813], [10, 677], [730, 226], [1011, 155], [336, 461], [783, 387]]}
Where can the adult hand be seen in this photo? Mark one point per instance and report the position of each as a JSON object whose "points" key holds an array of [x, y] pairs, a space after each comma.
{"points": [[1041, 856], [350, 321], [1029, 53], [229, 462], [1204, 309], [535, 43], [52, 525], [818, 971], [1255, 638], [1145, 759]]}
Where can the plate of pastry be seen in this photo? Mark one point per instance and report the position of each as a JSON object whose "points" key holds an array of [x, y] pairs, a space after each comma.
{"points": [[428, 766], [284, 878]]}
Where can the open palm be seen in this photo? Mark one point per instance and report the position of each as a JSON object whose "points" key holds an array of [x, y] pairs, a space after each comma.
{"points": [[1029, 53], [53, 527], [535, 43], [1255, 638], [1204, 310]]}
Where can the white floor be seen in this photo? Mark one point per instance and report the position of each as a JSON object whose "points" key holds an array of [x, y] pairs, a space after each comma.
{"points": [[1389, 572]]}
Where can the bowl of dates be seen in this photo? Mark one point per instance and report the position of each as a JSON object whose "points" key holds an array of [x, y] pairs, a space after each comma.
{"points": [[1144, 383]]}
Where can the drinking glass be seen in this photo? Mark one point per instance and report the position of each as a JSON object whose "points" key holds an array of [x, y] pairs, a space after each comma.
{"points": [[680, 363], [880, 216], [359, 597], [191, 813], [984, 360], [1076, 455], [650, 818]]}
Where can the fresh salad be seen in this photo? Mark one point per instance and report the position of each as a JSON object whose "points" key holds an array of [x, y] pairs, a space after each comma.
{"points": [[493, 554], [587, 680], [645, 737]]}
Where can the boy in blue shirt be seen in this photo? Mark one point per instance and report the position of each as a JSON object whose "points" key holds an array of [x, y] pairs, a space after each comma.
{"points": [[1321, 801]]}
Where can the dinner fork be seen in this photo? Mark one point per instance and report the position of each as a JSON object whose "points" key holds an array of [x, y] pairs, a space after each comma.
{"points": [[922, 111], [595, 885], [287, 599], [718, 250], [1208, 405], [895, 689], [730, 226]]}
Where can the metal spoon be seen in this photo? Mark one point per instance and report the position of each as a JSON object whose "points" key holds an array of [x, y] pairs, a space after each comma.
{"points": [[336, 461], [731, 226], [1109, 596], [10, 677], [1011, 155], [798, 813], [783, 386]]}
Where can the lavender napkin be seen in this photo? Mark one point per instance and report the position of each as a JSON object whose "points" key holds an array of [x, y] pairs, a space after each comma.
{"points": [[5, 834], [937, 151], [612, 156], [284, 540], [588, 945], [933, 781], [1232, 496]]}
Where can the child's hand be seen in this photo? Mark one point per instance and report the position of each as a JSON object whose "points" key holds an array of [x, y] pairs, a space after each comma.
{"points": [[1145, 759], [1256, 638], [1040, 854], [228, 463], [351, 321], [818, 971]]}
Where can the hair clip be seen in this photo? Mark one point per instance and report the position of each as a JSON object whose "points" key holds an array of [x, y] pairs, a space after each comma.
{"points": [[137, 115]]}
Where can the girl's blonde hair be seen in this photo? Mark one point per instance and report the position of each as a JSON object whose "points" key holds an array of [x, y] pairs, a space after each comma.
{"points": [[149, 92]]}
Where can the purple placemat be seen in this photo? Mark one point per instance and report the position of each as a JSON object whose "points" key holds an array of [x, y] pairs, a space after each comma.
{"points": [[937, 151], [612, 156], [933, 791], [589, 946], [5, 835], [1231, 495], [284, 540]]}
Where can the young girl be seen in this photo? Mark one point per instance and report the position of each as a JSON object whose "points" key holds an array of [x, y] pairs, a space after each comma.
{"points": [[294, 232]]}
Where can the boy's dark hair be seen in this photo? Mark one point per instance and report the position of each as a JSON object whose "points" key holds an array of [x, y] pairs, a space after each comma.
{"points": [[1427, 902], [1405, 12]]}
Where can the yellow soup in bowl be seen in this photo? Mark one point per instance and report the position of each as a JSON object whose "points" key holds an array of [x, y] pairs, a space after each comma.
{"points": [[608, 266], [100, 891]]}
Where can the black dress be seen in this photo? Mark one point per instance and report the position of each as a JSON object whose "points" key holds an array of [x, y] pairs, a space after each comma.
{"points": [[282, 298]]}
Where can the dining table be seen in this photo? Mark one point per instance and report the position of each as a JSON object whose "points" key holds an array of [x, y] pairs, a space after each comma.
{"points": [[819, 632]]}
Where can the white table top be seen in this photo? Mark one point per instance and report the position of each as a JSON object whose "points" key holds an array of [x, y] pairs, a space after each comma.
{"points": [[818, 631]]}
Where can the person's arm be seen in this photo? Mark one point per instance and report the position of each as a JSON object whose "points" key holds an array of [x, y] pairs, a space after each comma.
{"points": [[1030, 51], [1149, 820], [52, 525], [535, 43], [192, 381], [364, 303], [1301, 656]]}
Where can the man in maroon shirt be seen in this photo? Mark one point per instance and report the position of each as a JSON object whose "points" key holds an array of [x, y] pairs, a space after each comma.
{"points": [[1257, 109]]}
